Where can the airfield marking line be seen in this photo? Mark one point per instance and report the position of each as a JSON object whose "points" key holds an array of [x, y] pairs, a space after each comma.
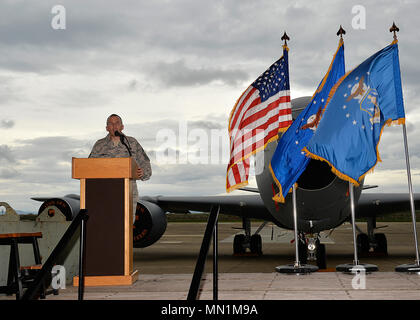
{"points": [[171, 242], [183, 235]]}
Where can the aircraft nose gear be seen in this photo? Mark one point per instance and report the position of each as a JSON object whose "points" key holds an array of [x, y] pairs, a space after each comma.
{"points": [[311, 249], [315, 250]]}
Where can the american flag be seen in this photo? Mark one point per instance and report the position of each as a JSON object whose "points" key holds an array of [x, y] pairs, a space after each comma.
{"points": [[260, 113]]}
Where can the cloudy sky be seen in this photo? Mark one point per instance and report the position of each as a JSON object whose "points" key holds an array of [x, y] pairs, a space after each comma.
{"points": [[173, 70]]}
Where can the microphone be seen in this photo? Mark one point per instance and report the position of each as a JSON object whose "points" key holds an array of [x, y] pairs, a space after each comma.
{"points": [[122, 136]]}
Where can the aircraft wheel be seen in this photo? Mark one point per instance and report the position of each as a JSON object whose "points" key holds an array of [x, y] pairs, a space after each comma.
{"points": [[238, 243], [321, 260], [381, 243], [362, 242], [256, 244], [303, 252]]}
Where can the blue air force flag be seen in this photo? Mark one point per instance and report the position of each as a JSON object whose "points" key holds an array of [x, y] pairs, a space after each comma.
{"points": [[289, 161], [362, 102]]}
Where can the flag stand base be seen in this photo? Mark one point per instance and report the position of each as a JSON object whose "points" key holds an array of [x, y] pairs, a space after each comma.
{"points": [[300, 269], [409, 268], [353, 268]]}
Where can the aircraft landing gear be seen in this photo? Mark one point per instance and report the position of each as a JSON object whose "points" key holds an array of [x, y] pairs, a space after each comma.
{"points": [[311, 249], [256, 244], [376, 241], [241, 242], [321, 259], [381, 244], [303, 250], [362, 241]]}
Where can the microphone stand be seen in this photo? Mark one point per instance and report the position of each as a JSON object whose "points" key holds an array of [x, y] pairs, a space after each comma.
{"points": [[122, 136]]}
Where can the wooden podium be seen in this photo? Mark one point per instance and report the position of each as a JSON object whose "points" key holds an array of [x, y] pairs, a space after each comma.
{"points": [[106, 192]]}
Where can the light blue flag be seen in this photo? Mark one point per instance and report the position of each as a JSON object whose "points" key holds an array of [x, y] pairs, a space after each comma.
{"points": [[289, 161], [362, 102]]}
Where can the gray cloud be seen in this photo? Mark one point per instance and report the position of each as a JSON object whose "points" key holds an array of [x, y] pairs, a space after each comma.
{"points": [[111, 56], [47, 146], [48, 160], [7, 124], [147, 131], [185, 179], [8, 163], [6, 154], [132, 85], [391, 147], [178, 74], [202, 140], [181, 173], [9, 91], [225, 35], [8, 173]]}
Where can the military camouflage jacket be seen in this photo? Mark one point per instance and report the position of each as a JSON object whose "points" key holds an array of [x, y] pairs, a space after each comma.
{"points": [[105, 148]]}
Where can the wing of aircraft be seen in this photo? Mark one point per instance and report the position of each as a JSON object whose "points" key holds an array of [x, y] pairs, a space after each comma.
{"points": [[248, 205], [381, 204]]}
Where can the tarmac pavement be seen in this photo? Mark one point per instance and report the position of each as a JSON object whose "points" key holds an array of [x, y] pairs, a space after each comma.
{"points": [[166, 269]]}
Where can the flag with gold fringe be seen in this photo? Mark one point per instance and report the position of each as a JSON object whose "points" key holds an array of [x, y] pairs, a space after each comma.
{"points": [[359, 106], [289, 161], [260, 113]]}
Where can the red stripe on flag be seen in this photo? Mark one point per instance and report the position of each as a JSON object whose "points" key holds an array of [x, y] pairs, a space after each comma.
{"points": [[239, 110], [265, 110], [248, 150], [236, 174], [258, 115], [253, 132], [285, 124], [285, 111], [254, 103]]}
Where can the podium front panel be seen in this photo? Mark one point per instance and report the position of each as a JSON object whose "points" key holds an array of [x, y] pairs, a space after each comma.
{"points": [[105, 227]]}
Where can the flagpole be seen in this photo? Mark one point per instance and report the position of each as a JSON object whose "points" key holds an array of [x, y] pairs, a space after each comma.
{"points": [[413, 268], [410, 189], [351, 267], [416, 266], [356, 266], [297, 267], [353, 222], [297, 262]]}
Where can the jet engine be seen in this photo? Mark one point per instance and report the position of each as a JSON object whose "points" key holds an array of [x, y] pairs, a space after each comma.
{"points": [[150, 224], [69, 205]]}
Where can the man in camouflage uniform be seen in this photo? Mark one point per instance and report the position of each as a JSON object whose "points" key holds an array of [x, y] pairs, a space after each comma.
{"points": [[111, 147]]}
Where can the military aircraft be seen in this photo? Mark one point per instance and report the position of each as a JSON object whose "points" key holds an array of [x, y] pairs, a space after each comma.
{"points": [[323, 203]]}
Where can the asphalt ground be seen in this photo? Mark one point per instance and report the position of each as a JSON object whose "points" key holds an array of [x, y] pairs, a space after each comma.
{"points": [[177, 250], [166, 270]]}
